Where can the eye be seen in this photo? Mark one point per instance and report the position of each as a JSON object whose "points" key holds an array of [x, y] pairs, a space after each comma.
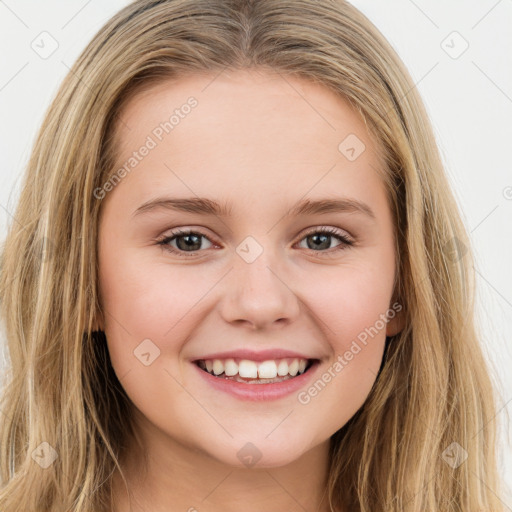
{"points": [[188, 242], [321, 239]]}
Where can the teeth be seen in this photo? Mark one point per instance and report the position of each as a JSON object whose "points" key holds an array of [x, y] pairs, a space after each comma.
{"points": [[282, 368], [247, 369], [218, 366], [293, 368], [230, 367], [267, 370]]}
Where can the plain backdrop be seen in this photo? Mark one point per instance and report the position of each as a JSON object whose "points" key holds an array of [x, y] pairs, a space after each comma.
{"points": [[459, 55]]}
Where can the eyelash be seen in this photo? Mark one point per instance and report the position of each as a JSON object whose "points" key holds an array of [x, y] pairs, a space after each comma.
{"points": [[164, 242]]}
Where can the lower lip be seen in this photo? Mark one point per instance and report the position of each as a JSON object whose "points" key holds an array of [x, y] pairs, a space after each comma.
{"points": [[259, 392]]}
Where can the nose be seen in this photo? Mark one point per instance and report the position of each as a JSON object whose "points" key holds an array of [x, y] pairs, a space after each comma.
{"points": [[258, 294]]}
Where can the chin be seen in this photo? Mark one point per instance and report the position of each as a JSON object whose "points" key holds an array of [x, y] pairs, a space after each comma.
{"points": [[259, 453]]}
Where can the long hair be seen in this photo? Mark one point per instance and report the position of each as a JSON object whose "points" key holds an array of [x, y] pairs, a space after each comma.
{"points": [[63, 411]]}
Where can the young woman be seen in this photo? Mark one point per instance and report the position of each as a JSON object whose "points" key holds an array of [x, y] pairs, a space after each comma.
{"points": [[239, 280]]}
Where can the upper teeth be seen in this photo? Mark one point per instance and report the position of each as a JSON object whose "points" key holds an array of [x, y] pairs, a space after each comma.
{"points": [[251, 369]]}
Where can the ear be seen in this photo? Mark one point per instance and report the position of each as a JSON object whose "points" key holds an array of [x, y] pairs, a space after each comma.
{"points": [[396, 315], [396, 324]]}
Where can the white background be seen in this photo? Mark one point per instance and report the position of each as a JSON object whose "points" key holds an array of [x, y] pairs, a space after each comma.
{"points": [[469, 99]]}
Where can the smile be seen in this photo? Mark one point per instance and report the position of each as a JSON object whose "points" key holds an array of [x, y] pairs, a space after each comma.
{"points": [[250, 379], [254, 372]]}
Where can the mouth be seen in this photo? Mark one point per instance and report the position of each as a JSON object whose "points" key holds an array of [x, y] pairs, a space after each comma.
{"points": [[256, 372]]}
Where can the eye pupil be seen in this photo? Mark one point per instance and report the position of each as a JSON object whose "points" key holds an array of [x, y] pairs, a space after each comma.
{"points": [[189, 244], [322, 244]]}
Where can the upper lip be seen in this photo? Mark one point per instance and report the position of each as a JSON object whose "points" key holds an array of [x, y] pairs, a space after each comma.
{"points": [[252, 355]]}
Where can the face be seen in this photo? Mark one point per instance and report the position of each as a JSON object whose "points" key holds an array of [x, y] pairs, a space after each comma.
{"points": [[260, 281]]}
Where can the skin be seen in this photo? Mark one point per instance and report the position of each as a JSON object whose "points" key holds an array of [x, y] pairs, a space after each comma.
{"points": [[261, 142]]}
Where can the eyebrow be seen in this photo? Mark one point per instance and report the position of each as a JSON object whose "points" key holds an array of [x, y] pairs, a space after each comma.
{"points": [[205, 206]]}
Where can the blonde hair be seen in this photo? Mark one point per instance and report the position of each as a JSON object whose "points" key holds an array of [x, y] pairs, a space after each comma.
{"points": [[434, 388]]}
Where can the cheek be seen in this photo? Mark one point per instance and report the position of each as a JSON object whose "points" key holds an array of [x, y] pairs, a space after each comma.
{"points": [[350, 309], [347, 299], [149, 297], [149, 314]]}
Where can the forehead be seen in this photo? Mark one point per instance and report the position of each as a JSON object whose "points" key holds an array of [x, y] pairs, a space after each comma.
{"points": [[249, 132]]}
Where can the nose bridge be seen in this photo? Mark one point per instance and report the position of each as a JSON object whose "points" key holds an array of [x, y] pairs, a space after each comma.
{"points": [[255, 265], [257, 293]]}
